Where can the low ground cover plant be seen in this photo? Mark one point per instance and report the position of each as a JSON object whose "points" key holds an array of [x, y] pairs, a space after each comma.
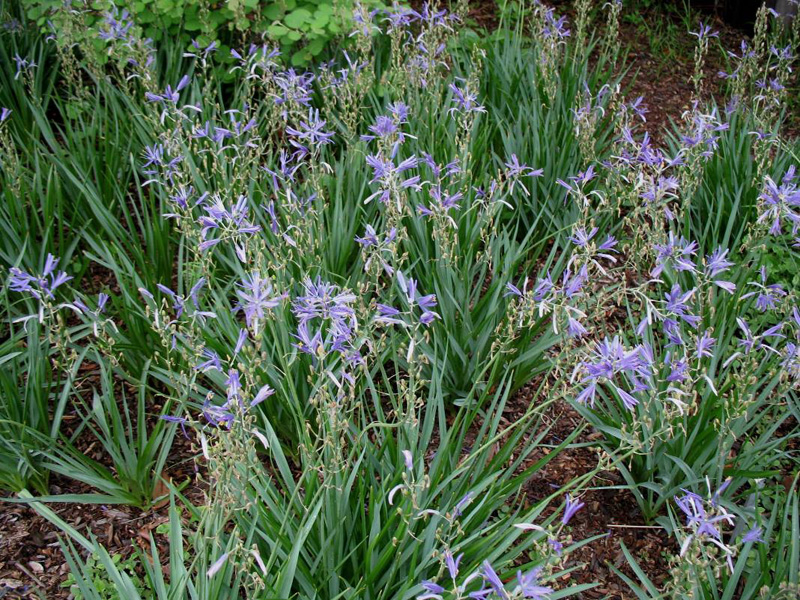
{"points": [[325, 288]]}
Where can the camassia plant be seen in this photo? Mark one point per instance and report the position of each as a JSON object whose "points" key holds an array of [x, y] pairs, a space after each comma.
{"points": [[335, 338], [745, 567], [691, 377], [330, 284]]}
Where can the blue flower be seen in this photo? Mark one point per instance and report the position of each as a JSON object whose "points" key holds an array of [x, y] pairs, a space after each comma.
{"points": [[39, 286], [753, 535], [491, 577], [256, 297], [529, 585], [571, 508], [311, 130], [466, 102]]}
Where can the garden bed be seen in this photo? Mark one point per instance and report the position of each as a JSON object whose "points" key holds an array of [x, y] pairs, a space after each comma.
{"points": [[277, 400]]}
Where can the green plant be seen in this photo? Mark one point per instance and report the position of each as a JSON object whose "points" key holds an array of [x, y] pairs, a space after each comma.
{"points": [[763, 565], [335, 282], [32, 404], [663, 25], [135, 443], [302, 29], [94, 576], [276, 532]]}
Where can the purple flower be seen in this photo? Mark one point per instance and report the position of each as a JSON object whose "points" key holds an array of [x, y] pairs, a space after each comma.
{"points": [[171, 95], [386, 174], [181, 420], [672, 329], [203, 53], [295, 88], [529, 585], [572, 506], [609, 362], [513, 290], [677, 369], [753, 535], [543, 287], [767, 296], [466, 102], [516, 170], [116, 26], [557, 546], [781, 203], [212, 361], [388, 127], [581, 237], [433, 591], [240, 341], [330, 309], [390, 315], [748, 342], [491, 577], [677, 252], [639, 108], [5, 113], [587, 395], [307, 343], [555, 28], [608, 245], [23, 65], [704, 32], [705, 345], [311, 130], [179, 302], [323, 300], [458, 509], [574, 283], [574, 328], [443, 201], [39, 286], [628, 401], [218, 416], [428, 317], [228, 223], [677, 304], [263, 393], [399, 111], [102, 300], [256, 297], [717, 262], [705, 525], [452, 563]]}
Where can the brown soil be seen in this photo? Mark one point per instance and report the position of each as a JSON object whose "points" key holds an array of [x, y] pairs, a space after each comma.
{"points": [[611, 514]]}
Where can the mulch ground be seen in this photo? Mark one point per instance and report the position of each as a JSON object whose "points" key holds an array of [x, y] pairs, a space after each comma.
{"points": [[31, 561], [611, 515]]}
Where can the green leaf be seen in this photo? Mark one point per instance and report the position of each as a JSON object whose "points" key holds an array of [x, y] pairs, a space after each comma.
{"points": [[301, 57], [321, 19], [316, 46], [274, 12], [277, 30], [297, 18]]}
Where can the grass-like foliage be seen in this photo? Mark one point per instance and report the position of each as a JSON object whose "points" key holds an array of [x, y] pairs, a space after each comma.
{"points": [[330, 285]]}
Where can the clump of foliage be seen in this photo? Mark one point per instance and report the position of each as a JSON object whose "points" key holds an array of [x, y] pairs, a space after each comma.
{"points": [[330, 284], [301, 28]]}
